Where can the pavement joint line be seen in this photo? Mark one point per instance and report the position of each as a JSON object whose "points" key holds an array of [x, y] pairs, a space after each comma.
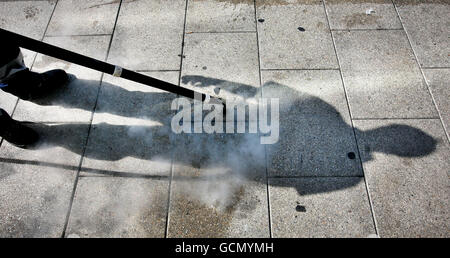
{"points": [[62, 122], [219, 32], [78, 35], [66, 223], [393, 118], [3, 1], [45, 32], [374, 220], [293, 177], [97, 172], [421, 71], [27, 0], [299, 69], [169, 191], [166, 231], [106, 175], [148, 71], [265, 148], [380, 29], [435, 67]]}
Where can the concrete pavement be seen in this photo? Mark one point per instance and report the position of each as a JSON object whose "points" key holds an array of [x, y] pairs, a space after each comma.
{"points": [[364, 106]]}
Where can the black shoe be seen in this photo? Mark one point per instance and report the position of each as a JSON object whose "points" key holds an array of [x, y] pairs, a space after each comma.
{"points": [[29, 85], [15, 132]]}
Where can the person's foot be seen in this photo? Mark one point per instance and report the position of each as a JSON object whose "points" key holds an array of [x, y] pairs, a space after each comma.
{"points": [[29, 85], [16, 132]]}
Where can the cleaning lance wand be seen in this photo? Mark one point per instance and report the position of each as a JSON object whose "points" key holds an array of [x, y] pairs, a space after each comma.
{"points": [[115, 70]]}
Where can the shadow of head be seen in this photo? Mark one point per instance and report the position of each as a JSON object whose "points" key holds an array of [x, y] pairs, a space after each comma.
{"points": [[400, 140]]}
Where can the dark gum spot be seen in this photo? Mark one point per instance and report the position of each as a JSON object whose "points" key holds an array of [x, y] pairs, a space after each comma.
{"points": [[351, 155], [300, 208]]}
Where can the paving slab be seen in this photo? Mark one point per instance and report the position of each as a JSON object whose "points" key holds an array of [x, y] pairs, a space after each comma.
{"points": [[428, 27], [362, 14], [339, 207], [131, 137], [41, 178], [381, 76], [220, 16], [223, 65], [36, 184], [148, 35], [219, 183], [119, 207], [294, 35], [73, 17], [438, 81], [29, 18], [219, 187], [406, 166], [74, 101], [8, 101], [316, 136]]}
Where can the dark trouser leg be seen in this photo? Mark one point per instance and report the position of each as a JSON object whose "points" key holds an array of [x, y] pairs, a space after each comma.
{"points": [[16, 79], [9, 52], [11, 61], [16, 132]]}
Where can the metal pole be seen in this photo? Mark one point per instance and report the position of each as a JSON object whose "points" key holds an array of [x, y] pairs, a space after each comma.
{"points": [[72, 57]]}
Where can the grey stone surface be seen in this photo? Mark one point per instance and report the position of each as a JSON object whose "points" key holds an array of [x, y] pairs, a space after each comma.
{"points": [[28, 57], [438, 81], [36, 184], [428, 27], [320, 207], [225, 60], [74, 101], [72, 17], [219, 187], [220, 16], [29, 18], [407, 169], [148, 35], [119, 207], [134, 136], [223, 65], [381, 76], [362, 14], [281, 43], [315, 130], [219, 181], [8, 101]]}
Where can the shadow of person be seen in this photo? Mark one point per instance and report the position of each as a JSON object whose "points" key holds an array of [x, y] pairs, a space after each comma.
{"points": [[315, 139], [400, 140], [113, 99], [108, 142]]}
